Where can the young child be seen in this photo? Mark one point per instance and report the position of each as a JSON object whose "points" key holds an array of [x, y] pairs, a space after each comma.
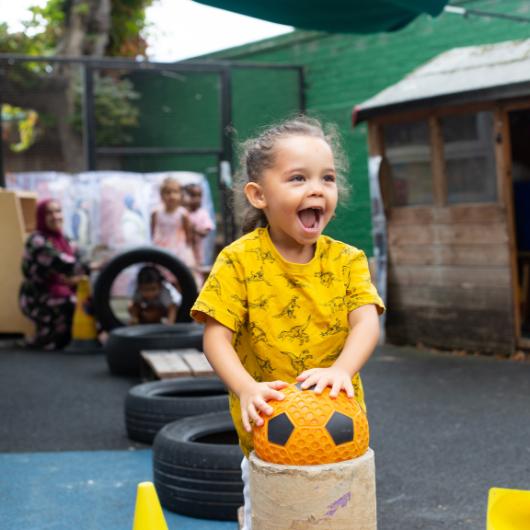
{"points": [[155, 300], [170, 223], [285, 303], [199, 219]]}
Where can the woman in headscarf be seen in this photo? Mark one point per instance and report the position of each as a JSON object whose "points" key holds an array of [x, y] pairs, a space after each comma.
{"points": [[52, 268]]}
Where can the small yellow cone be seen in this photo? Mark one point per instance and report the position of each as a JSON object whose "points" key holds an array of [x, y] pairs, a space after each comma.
{"points": [[83, 324], [508, 509], [148, 513]]}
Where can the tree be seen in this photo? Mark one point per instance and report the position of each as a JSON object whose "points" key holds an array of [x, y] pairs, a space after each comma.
{"points": [[75, 28]]}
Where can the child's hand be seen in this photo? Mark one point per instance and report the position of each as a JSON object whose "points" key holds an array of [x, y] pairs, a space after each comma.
{"points": [[335, 377], [254, 400]]}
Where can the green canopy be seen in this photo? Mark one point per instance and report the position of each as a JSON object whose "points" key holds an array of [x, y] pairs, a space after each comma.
{"points": [[334, 16]]}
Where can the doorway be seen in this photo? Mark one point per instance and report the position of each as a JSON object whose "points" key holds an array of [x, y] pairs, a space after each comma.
{"points": [[520, 147]]}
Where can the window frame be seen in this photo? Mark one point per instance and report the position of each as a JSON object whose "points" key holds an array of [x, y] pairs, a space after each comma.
{"points": [[437, 149]]}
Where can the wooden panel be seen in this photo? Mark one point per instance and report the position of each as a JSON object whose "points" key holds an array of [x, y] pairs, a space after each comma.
{"points": [[166, 364], [437, 162], [468, 214], [375, 140], [480, 298], [447, 234], [28, 205], [450, 276], [482, 331], [12, 237], [503, 157], [415, 114], [198, 363], [461, 255]]}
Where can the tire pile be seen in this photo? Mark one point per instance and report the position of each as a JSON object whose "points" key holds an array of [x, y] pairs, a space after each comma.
{"points": [[151, 406], [124, 345], [196, 456], [197, 467]]}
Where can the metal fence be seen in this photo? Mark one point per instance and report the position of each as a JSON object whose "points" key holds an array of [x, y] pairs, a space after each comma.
{"points": [[76, 114]]}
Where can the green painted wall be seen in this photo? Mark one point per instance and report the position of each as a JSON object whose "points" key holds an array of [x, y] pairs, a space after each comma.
{"points": [[177, 110], [344, 70], [184, 110], [260, 97]]}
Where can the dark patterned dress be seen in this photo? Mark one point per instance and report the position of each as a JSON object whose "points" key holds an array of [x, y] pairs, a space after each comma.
{"points": [[44, 297]]}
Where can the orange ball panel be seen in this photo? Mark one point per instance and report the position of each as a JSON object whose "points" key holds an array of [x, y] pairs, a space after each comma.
{"points": [[304, 437]]}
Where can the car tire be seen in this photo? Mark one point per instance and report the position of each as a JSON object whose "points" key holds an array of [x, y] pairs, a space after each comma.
{"points": [[151, 406], [104, 313], [197, 467], [123, 346]]}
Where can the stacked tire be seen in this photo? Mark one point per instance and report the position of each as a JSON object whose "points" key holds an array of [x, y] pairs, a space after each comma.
{"points": [[151, 406], [197, 467], [105, 315], [123, 347]]}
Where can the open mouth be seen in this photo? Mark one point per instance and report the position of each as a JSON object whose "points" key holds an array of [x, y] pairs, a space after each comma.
{"points": [[310, 217]]}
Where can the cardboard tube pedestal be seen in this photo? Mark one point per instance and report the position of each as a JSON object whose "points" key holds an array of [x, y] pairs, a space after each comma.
{"points": [[337, 496]]}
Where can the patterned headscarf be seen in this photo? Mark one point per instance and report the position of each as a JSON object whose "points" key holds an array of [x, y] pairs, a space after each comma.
{"points": [[57, 238]]}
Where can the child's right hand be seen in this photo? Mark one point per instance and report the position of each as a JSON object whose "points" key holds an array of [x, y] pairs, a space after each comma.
{"points": [[254, 400]]}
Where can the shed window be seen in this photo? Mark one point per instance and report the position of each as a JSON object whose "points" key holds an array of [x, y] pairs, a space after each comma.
{"points": [[408, 152], [469, 154]]}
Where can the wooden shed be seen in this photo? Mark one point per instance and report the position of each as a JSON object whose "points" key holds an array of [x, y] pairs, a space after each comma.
{"points": [[455, 180]]}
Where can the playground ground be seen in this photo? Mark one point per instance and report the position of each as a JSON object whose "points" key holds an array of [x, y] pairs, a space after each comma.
{"points": [[444, 428]]}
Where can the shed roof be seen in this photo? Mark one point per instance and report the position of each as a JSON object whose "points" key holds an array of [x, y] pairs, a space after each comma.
{"points": [[460, 75]]}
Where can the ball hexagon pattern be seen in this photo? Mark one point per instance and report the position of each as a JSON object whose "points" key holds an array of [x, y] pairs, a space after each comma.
{"points": [[309, 429]]}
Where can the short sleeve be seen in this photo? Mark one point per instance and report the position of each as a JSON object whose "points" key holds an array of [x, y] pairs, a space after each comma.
{"points": [[202, 221], [224, 295], [173, 295], [360, 290]]}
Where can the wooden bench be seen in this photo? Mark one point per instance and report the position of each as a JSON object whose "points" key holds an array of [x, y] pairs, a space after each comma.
{"points": [[168, 364]]}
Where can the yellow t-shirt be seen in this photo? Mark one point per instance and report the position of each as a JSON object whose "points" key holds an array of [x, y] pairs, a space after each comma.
{"points": [[286, 317]]}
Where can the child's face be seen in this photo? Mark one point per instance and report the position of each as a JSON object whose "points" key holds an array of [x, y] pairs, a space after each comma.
{"points": [[171, 195], [149, 291], [194, 197], [298, 194]]}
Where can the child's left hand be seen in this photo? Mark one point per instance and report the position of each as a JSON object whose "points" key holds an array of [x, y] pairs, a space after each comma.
{"points": [[336, 378]]}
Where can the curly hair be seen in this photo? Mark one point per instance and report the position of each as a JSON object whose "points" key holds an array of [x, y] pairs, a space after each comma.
{"points": [[257, 154]]}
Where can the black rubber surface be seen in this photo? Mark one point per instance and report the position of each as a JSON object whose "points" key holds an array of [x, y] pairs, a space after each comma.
{"points": [[150, 406], [124, 345], [102, 287], [444, 428], [197, 467], [56, 401]]}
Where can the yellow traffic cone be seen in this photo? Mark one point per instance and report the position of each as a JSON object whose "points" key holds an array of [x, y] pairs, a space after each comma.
{"points": [[148, 513], [83, 324], [508, 509]]}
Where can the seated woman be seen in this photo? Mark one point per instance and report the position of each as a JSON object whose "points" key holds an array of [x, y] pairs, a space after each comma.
{"points": [[52, 268], [155, 300]]}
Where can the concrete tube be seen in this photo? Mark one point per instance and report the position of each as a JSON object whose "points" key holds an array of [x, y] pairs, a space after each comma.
{"points": [[337, 496]]}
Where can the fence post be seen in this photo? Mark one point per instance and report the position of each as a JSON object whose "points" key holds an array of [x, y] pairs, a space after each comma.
{"points": [[89, 123]]}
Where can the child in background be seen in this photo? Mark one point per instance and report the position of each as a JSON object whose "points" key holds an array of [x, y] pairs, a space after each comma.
{"points": [[285, 303], [200, 222], [155, 300], [170, 223]]}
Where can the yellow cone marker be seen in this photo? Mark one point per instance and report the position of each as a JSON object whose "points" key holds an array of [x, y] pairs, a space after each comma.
{"points": [[83, 325], [148, 513], [508, 509]]}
